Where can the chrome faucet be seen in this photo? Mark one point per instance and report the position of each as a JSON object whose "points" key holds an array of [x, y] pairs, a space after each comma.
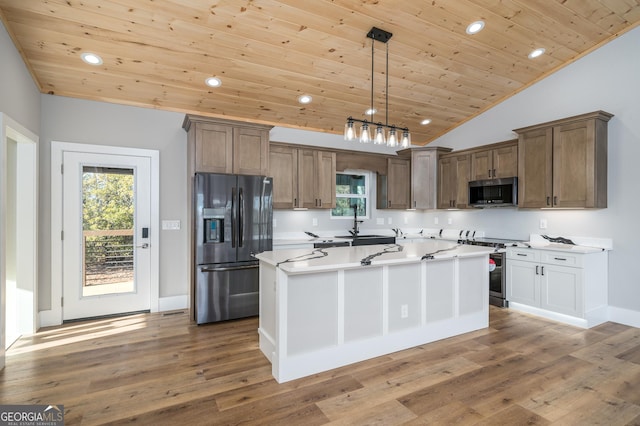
{"points": [[355, 230]]}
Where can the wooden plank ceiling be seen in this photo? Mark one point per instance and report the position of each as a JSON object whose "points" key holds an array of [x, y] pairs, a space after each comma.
{"points": [[157, 53]]}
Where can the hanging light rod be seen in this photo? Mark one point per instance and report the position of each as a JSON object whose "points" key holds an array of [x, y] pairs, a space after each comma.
{"points": [[380, 136]]}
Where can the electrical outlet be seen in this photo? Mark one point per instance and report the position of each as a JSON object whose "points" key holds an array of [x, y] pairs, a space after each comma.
{"points": [[389, 220], [406, 220], [436, 220], [543, 223], [314, 221], [450, 221], [275, 222], [404, 311]]}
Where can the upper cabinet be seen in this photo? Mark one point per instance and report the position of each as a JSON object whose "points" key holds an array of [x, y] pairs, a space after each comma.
{"points": [[302, 177], [563, 164], [393, 188], [222, 146], [495, 161], [424, 176], [454, 171]]}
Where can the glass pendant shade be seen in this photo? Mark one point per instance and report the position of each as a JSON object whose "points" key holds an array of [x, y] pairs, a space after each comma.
{"points": [[392, 141], [349, 131], [365, 135], [380, 139], [406, 139]]}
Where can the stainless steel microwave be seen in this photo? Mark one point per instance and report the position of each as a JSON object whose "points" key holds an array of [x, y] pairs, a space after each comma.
{"points": [[501, 192]]}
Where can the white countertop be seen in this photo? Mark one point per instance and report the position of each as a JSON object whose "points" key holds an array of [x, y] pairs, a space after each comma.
{"points": [[582, 245], [562, 247], [307, 260]]}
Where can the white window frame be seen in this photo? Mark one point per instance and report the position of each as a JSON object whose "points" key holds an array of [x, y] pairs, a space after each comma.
{"points": [[366, 196]]}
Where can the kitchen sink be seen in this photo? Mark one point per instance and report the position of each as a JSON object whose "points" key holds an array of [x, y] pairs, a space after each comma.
{"points": [[364, 240]]}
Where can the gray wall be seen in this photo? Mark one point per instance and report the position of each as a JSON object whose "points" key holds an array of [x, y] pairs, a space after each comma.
{"points": [[99, 123], [19, 96]]}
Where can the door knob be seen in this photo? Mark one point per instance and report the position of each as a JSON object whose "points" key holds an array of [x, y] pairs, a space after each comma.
{"points": [[144, 245]]}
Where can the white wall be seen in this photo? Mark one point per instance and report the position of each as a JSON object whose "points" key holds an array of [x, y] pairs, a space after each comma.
{"points": [[80, 121]]}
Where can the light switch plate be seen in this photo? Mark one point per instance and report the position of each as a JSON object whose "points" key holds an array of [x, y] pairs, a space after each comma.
{"points": [[389, 220], [436, 220], [450, 221], [170, 225], [380, 221], [314, 221], [543, 223]]}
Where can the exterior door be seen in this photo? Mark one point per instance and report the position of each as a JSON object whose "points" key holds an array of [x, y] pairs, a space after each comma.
{"points": [[106, 212]]}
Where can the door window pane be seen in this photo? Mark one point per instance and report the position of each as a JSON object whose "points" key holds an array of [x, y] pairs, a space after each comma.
{"points": [[107, 230]]}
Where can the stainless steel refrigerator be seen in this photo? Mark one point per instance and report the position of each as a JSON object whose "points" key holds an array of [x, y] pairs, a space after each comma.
{"points": [[234, 220]]}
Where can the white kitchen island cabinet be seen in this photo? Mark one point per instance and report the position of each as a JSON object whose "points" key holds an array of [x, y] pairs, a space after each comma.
{"points": [[322, 309], [569, 286]]}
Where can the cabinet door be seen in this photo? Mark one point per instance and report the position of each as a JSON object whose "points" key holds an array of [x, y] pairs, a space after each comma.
{"points": [[398, 181], [325, 179], [445, 187], [534, 168], [424, 165], [461, 175], [307, 179], [283, 162], [562, 290], [250, 151], [482, 165], [523, 284], [505, 161], [574, 165], [213, 148]]}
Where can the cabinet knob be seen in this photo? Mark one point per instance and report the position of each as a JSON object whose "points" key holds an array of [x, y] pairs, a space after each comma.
{"points": [[537, 270], [555, 200], [494, 172], [489, 172], [548, 200], [542, 270]]}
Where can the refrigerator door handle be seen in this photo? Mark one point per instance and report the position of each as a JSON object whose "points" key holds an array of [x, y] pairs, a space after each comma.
{"points": [[233, 217], [228, 268], [241, 218]]}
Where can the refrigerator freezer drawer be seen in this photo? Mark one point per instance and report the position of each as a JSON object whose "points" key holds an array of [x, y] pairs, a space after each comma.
{"points": [[226, 291]]}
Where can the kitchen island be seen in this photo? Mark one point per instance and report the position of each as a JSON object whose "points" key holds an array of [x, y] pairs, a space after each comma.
{"points": [[325, 308]]}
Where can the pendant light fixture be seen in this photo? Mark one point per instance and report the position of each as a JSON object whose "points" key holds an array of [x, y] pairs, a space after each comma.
{"points": [[384, 134]]}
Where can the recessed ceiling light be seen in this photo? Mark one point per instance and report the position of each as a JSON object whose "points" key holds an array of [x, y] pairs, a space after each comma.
{"points": [[91, 58], [475, 27], [371, 111], [213, 82], [425, 121], [534, 54], [305, 99]]}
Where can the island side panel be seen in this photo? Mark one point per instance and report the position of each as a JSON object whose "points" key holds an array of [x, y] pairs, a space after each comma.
{"points": [[312, 312], [440, 290], [473, 284], [267, 320], [362, 304], [404, 301]]}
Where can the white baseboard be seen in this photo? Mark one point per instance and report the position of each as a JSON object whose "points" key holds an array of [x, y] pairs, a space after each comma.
{"points": [[49, 318], [624, 316], [173, 302]]}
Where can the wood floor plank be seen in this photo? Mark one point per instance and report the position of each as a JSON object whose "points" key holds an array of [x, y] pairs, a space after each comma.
{"points": [[162, 369]]}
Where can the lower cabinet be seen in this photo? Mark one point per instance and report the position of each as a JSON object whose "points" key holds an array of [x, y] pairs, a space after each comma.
{"points": [[556, 282]]}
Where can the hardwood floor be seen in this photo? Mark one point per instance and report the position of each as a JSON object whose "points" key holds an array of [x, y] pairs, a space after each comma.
{"points": [[159, 369]]}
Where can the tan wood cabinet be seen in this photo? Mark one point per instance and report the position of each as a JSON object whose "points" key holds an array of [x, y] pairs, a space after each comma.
{"points": [[302, 178], [394, 188], [424, 176], [563, 164], [222, 146], [454, 171], [495, 161]]}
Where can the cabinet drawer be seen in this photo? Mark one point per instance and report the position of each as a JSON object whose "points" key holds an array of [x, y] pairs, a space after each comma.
{"points": [[561, 258], [524, 254]]}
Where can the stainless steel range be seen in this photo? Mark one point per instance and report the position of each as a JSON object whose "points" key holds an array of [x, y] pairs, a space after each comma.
{"points": [[497, 267]]}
